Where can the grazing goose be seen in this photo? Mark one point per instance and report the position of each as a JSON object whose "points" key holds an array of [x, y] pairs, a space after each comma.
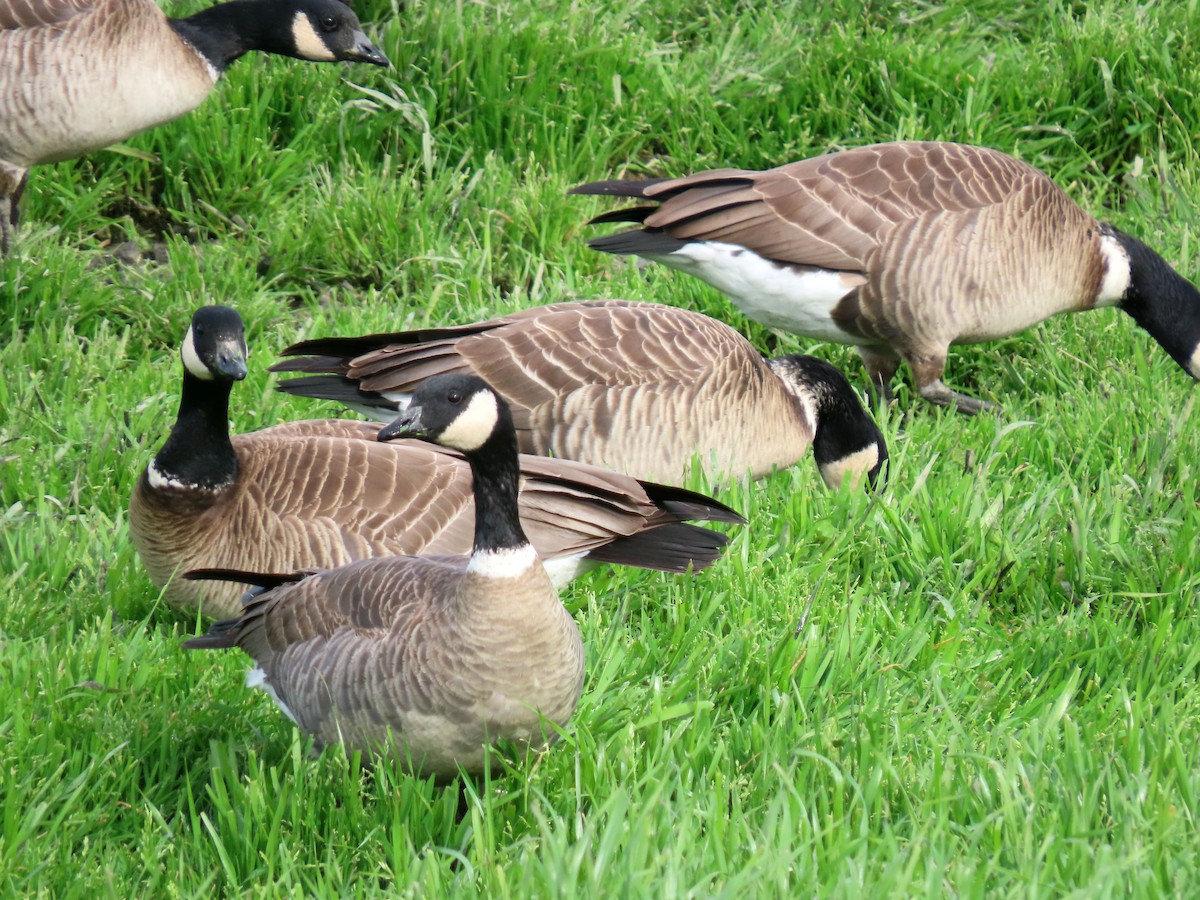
{"points": [[430, 659], [78, 75], [903, 249], [324, 493], [637, 387]]}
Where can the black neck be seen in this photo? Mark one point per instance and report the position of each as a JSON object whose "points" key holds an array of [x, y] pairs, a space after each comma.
{"points": [[198, 451], [1161, 300], [228, 31], [495, 474]]}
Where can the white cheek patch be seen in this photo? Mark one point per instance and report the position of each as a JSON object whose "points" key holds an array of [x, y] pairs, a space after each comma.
{"points": [[1194, 364], [474, 425], [191, 359], [1116, 272], [796, 300], [510, 562], [308, 43], [257, 678], [855, 465]]}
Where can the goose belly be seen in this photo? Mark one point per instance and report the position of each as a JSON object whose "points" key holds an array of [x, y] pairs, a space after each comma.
{"points": [[796, 299], [68, 107]]}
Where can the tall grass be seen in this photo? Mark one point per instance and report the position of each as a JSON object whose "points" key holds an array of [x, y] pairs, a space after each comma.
{"points": [[983, 681]]}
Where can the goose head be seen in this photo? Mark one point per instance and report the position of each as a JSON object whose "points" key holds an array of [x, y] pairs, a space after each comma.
{"points": [[461, 412], [214, 348]]}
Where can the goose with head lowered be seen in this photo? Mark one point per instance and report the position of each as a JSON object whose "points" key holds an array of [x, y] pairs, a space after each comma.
{"points": [[322, 493], [78, 75], [426, 660], [641, 388], [903, 249]]}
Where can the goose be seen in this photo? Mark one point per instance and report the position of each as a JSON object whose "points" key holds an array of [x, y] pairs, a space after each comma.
{"points": [[640, 388], [78, 75], [903, 249], [320, 494], [429, 660]]}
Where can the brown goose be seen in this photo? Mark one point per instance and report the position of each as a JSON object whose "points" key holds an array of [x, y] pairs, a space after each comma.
{"points": [[903, 249], [322, 494], [640, 388], [425, 660], [78, 75]]}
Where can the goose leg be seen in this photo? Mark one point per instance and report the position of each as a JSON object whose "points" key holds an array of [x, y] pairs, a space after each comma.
{"points": [[881, 365], [12, 181], [927, 371], [6, 228]]}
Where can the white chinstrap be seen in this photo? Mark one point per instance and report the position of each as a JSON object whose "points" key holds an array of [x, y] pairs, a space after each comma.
{"points": [[1116, 272], [191, 359], [474, 425]]}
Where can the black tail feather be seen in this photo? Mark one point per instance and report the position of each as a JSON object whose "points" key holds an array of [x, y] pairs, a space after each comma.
{"points": [[349, 347], [637, 243], [690, 504], [619, 187], [220, 636], [335, 388], [678, 547], [258, 579], [637, 214]]}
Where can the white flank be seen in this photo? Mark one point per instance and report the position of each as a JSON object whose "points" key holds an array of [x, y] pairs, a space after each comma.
{"points": [[855, 465], [794, 300], [474, 425], [508, 563], [565, 569], [308, 43], [191, 359], [1116, 272], [1194, 363], [257, 678]]}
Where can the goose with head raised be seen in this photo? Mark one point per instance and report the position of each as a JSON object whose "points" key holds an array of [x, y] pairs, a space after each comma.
{"points": [[322, 493], [428, 661]]}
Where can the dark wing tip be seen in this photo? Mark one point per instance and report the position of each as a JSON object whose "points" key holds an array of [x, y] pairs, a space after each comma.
{"points": [[258, 579], [685, 504], [678, 547]]}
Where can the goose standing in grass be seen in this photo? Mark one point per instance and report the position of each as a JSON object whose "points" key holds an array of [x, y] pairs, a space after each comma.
{"points": [[78, 75], [430, 659], [320, 494], [641, 388], [903, 249]]}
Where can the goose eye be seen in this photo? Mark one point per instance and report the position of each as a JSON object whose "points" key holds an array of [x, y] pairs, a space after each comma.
{"points": [[329, 23], [455, 397]]}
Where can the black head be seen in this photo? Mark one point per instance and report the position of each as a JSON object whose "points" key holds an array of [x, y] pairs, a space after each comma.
{"points": [[1162, 301], [314, 30], [214, 348], [327, 31], [847, 444], [457, 411]]}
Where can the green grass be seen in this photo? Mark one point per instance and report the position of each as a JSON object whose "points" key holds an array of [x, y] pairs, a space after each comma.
{"points": [[993, 690]]}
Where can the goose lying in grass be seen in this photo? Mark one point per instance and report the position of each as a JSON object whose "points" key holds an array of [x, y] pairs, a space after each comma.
{"points": [[321, 494], [429, 660]]}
